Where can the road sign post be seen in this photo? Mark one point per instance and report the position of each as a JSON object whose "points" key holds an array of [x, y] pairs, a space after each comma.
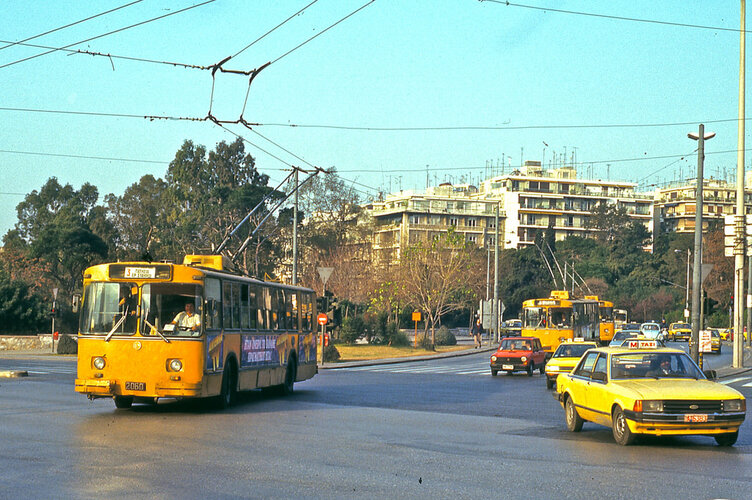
{"points": [[322, 320], [416, 318]]}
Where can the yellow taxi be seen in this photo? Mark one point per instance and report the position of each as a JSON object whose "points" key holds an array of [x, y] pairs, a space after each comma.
{"points": [[725, 333], [565, 358], [715, 341], [680, 331], [641, 388]]}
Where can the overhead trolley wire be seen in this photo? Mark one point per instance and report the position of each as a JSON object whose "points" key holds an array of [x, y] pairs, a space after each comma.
{"points": [[107, 34], [617, 18], [21, 42]]}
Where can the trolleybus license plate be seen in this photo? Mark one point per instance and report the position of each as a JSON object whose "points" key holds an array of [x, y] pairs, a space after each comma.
{"points": [[135, 386]]}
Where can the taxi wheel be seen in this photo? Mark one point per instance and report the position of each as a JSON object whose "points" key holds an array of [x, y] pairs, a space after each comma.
{"points": [[549, 383], [622, 434], [727, 439], [530, 369], [542, 369], [574, 420], [494, 372]]}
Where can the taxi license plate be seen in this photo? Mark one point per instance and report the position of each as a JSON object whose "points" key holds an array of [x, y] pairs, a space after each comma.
{"points": [[695, 418], [507, 367], [135, 386]]}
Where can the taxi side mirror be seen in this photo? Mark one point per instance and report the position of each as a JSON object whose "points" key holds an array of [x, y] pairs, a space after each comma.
{"points": [[710, 374], [599, 376]]}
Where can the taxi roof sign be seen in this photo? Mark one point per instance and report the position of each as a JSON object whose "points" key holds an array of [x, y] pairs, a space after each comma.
{"points": [[642, 344]]}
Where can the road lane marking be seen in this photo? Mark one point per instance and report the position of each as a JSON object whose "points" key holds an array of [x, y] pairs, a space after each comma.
{"points": [[727, 382]]}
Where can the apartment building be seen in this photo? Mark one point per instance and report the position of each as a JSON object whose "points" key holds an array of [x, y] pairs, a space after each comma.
{"points": [[535, 199], [530, 200], [676, 205], [405, 218]]}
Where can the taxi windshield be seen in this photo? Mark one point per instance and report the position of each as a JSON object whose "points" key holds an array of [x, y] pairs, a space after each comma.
{"points": [[515, 345], [653, 365], [572, 350]]}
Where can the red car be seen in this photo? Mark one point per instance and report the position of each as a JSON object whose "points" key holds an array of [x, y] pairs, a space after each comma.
{"points": [[518, 354]]}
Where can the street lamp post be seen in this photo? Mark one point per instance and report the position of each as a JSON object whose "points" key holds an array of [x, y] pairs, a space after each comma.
{"points": [[700, 137], [686, 288]]}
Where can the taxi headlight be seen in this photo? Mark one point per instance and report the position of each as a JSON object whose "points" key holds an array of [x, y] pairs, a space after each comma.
{"points": [[523, 358], [734, 405], [652, 406], [98, 363], [174, 365], [493, 358], [553, 368]]}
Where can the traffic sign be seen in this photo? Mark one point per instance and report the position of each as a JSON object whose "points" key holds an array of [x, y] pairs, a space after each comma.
{"points": [[322, 319]]}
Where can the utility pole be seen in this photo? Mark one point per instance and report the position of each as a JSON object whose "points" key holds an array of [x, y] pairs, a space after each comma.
{"points": [[295, 234], [700, 137], [496, 315], [740, 250]]}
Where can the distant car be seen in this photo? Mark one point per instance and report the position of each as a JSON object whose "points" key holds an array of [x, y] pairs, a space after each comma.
{"points": [[519, 354], [680, 331], [651, 330], [622, 335], [565, 358], [647, 389], [631, 326], [726, 333], [715, 341], [511, 328]]}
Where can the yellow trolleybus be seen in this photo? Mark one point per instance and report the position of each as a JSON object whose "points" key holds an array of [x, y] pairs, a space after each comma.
{"points": [[135, 345], [607, 327], [558, 318]]}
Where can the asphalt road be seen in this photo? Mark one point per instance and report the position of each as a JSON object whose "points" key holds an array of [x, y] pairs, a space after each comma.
{"points": [[440, 429]]}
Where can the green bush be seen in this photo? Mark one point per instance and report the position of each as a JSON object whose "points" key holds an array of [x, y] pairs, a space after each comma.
{"points": [[445, 337], [66, 345], [331, 354], [352, 329], [399, 339], [424, 341]]}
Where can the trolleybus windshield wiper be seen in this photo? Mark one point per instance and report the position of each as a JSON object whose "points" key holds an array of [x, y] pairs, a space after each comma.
{"points": [[155, 328], [116, 326]]}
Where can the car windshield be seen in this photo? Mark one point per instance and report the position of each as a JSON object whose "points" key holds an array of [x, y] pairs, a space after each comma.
{"points": [[572, 350], [516, 345], [651, 326], [683, 326], [622, 335], [653, 365]]}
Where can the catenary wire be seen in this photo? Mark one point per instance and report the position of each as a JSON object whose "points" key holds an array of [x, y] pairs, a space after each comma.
{"points": [[21, 42], [107, 34], [617, 18]]}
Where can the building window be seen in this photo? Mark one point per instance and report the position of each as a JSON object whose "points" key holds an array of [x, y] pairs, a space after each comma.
{"points": [[414, 219], [471, 222], [454, 221], [472, 238]]}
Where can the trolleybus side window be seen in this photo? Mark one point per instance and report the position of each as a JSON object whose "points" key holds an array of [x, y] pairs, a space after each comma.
{"points": [[244, 309], [253, 295], [213, 304], [268, 312]]}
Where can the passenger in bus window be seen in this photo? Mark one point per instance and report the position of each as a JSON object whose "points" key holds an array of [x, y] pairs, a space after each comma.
{"points": [[188, 319]]}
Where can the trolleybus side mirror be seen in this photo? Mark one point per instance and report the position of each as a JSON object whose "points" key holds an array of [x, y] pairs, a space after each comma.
{"points": [[75, 302]]}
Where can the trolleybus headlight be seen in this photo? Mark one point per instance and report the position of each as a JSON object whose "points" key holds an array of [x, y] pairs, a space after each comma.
{"points": [[98, 363], [734, 405], [175, 365]]}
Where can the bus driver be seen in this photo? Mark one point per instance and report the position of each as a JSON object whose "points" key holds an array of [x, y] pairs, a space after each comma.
{"points": [[188, 318]]}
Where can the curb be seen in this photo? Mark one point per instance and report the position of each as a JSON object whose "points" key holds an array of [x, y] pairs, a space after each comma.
{"points": [[13, 373], [406, 359]]}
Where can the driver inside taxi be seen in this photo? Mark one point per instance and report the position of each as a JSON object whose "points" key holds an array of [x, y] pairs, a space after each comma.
{"points": [[188, 319]]}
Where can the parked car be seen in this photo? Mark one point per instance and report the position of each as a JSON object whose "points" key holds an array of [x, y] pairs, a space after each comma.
{"points": [[519, 354], [622, 335]]}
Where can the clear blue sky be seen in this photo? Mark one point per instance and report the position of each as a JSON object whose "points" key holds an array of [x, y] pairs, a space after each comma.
{"points": [[538, 77]]}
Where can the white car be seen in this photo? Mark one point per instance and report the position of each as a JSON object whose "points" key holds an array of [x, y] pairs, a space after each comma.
{"points": [[651, 331]]}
